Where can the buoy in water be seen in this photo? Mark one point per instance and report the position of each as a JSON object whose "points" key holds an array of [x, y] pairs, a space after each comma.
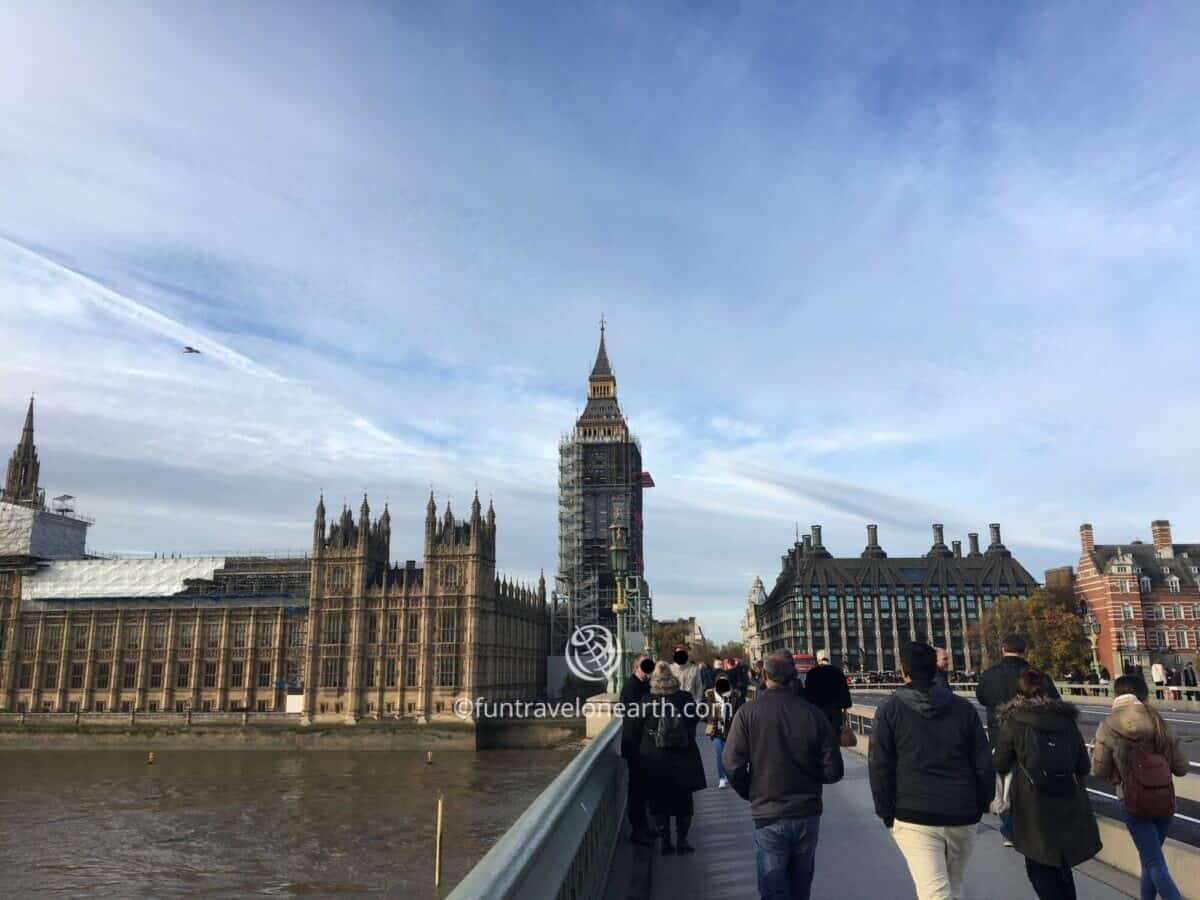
{"points": [[429, 757], [150, 759]]}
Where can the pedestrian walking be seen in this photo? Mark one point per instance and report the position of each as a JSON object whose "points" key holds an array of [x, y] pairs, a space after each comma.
{"points": [[1190, 681], [780, 752], [825, 688], [687, 672], [669, 758], [943, 666], [931, 774], [723, 701], [633, 693], [997, 686], [707, 675], [1158, 674], [1136, 750], [1053, 825]]}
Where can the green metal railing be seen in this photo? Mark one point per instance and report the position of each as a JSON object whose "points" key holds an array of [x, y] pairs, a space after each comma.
{"points": [[562, 845]]}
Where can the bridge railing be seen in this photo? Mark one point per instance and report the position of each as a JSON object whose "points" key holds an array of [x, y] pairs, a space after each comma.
{"points": [[1180, 699], [562, 845]]}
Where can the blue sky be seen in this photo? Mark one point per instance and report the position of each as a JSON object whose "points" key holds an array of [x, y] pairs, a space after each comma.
{"points": [[889, 263]]}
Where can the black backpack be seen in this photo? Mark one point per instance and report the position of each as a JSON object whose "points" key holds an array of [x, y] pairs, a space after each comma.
{"points": [[669, 731], [1050, 761]]}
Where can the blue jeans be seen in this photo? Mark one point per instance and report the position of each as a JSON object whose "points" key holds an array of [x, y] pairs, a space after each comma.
{"points": [[785, 854], [1148, 836], [719, 746], [1006, 829]]}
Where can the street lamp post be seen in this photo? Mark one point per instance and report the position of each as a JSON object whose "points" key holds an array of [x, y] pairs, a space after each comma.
{"points": [[1092, 629], [618, 562]]}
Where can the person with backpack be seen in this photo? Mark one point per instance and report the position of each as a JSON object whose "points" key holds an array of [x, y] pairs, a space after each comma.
{"points": [[723, 700], [997, 686], [1136, 751], [780, 752], [1053, 825], [931, 774], [668, 757], [635, 690]]}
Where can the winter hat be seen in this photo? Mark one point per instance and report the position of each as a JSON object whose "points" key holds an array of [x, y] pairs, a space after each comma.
{"points": [[663, 681]]}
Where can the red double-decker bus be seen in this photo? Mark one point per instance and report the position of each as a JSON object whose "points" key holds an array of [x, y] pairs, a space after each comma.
{"points": [[804, 662]]}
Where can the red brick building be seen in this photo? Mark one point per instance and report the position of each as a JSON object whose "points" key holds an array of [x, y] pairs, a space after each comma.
{"points": [[1145, 596]]}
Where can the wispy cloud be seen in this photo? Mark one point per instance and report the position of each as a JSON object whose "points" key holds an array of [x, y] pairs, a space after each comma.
{"points": [[855, 268]]}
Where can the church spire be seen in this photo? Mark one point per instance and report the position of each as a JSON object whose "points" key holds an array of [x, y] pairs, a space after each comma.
{"points": [[602, 369], [21, 481]]}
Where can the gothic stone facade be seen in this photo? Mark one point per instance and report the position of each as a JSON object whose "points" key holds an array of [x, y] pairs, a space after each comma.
{"points": [[343, 631], [1146, 598], [863, 609]]}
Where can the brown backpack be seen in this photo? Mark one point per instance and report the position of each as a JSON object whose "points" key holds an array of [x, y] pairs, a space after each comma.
{"points": [[1147, 785]]}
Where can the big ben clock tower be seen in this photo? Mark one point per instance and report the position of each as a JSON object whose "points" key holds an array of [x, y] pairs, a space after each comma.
{"points": [[600, 484]]}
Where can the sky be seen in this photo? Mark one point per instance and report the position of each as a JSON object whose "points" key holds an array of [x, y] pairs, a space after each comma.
{"points": [[890, 263]]}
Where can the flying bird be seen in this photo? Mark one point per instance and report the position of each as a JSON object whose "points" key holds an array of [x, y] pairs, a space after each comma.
{"points": [[190, 350]]}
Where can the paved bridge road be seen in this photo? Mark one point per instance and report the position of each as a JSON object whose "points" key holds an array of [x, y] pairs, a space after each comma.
{"points": [[856, 856], [1186, 827]]}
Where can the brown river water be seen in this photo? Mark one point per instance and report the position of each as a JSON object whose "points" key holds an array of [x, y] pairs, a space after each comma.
{"points": [[236, 824]]}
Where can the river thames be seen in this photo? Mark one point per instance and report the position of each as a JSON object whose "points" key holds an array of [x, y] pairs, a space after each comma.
{"points": [[244, 823]]}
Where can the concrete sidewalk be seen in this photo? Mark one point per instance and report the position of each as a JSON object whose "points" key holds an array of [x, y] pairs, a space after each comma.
{"points": [[856, 857]]}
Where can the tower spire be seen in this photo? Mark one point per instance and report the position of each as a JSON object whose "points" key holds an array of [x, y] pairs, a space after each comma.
{"points": [[21, 480]]}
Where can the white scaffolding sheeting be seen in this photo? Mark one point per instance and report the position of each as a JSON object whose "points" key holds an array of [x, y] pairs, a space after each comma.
{"points": [[81, 578], [34, 532]]}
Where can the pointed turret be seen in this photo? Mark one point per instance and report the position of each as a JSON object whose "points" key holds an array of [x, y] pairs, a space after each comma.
{"points": [[601, 369], [319, 525], [21, 481], [491, 516]]}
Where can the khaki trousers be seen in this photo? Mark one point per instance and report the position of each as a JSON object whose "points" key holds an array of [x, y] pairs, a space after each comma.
{"points": [[936, 856]]}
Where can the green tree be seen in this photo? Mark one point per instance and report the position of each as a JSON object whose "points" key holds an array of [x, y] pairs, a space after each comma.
{"points": [[1053, 632], [734, 649], [669, 634]]}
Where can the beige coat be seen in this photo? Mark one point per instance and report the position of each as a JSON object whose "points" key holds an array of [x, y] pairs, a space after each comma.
{"points": [[1126, 726]]}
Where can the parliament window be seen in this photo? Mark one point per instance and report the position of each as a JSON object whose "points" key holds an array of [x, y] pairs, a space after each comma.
{"points": [[237, 673], [50, 677], [156, 675], [53, 638], [369, 673], [210, 674], [76, 676], [295, 631], [331, 672], [186, 635], [448, 627], [372, 629], [447, 671], [390, 673], [29, 638], [414, 628], [79, 637], [264, 673], [158, 635], [393, 628], [25, 676], [333, 628], [103, 674], [410, 671], [131, 637], [129, 678], [266, 634], [212, 635], [238, 633]]}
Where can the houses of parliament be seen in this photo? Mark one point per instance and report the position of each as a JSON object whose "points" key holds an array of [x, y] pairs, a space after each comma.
{"points": [[337, 634]]}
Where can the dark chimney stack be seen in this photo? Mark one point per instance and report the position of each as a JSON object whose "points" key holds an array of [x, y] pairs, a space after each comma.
{"points": [[957, 547], [939, 534], [872, 535], [994, 528], [1087, 537], [973, 542], [816, 536]]}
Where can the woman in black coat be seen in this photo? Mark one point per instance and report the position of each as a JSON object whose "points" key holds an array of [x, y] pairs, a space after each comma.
{"points": [[668, 756], [1054, 832]]}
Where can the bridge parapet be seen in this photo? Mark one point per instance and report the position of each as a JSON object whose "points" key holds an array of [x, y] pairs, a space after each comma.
{"points": [[562, 845]]}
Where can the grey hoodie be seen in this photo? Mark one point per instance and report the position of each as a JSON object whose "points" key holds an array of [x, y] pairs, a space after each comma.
{"points": [[1128, 725]]}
